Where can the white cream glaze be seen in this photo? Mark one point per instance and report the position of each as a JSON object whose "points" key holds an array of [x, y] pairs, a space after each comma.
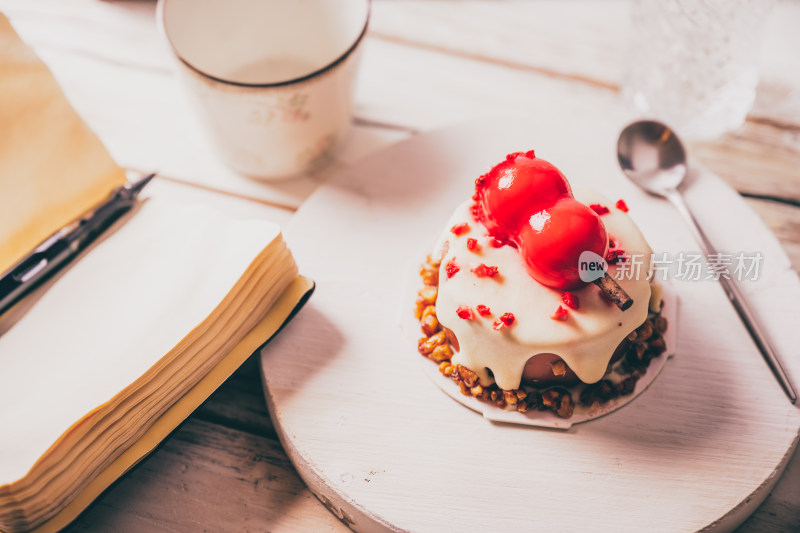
{"points": [[586, 340]]}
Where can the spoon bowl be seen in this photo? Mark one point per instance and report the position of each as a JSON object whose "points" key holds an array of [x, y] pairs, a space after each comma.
{"points": [[652, 156]]}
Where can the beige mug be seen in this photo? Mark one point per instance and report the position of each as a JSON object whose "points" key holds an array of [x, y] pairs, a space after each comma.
{"points": [[272, 80]]}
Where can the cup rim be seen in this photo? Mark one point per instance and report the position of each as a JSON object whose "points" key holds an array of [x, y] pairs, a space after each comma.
{"points": [[330, 66]]}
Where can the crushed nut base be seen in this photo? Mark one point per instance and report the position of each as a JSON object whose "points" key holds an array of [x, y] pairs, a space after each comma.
{"points": [[645, 343]]}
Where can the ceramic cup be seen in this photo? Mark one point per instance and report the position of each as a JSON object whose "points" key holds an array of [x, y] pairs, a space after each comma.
{"points": [[271, 79]]}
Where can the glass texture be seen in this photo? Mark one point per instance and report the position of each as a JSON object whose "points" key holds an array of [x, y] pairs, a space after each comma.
{"points": [[693, 63]]}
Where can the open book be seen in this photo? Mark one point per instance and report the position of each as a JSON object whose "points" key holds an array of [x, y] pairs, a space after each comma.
{"points": [[101, 363]]}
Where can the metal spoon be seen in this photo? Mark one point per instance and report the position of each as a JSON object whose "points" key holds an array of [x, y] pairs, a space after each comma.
{"points": [[652, 156]]}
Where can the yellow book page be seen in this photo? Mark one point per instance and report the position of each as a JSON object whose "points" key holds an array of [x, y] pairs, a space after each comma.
{"points": [[293, 297], [52, 166], [111, 317]]}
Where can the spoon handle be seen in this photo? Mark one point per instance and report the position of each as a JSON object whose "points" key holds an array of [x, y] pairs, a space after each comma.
{"points": [[737, 299]]}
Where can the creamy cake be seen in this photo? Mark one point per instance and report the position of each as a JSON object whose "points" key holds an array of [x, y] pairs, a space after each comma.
{"points": [[503, 331]]}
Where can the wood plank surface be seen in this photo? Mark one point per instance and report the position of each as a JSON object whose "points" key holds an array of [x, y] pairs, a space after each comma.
{"points": [[426, 64], [585, 42]]}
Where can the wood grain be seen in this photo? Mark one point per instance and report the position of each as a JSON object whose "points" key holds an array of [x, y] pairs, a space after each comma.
{"points": [[585, 43], [781, 511], [756, 159], [784, 221], [117, 47], [117, 72]]}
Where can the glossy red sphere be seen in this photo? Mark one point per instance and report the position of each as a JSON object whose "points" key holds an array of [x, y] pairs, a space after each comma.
{"points": [[528, 202], [554, 238], [516, 187]]}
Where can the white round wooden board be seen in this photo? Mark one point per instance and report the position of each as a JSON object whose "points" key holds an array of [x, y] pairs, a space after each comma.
{"points": [[385, 449]]}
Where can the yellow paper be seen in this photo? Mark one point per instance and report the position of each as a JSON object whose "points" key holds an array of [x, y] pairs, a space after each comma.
{"points": [[294, 296], [52, 167], [113, 316]]}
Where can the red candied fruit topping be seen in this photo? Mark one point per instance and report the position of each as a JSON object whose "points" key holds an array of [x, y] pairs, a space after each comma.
{"points": [[615, 256], [599, 209], [570, 300], [508, 318], [464, 312], [529, 154], [483, 310], [494, 242], [484, 271], [459, 229], [472, 244], [527, 203], [611, 242], [451, 268], [477, 213], [505, 320], [560, 314], [621, 205]]}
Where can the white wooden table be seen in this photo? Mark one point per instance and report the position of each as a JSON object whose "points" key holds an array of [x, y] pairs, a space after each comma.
{"points": [[426, 64]]}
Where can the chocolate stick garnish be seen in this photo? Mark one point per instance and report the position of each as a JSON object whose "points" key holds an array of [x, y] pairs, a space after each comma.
{"points": [[616, 293]]}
